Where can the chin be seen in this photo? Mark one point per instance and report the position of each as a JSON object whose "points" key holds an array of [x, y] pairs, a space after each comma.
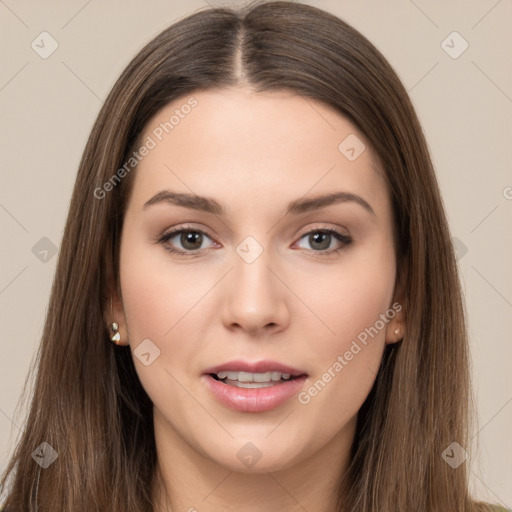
{"points": [[254, 457]]}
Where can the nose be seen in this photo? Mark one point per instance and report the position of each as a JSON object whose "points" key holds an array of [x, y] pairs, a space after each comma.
{"points": [[255, 297]]}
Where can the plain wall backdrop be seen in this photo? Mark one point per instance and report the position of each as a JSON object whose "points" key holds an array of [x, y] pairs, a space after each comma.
{"points": [[59, 60]]}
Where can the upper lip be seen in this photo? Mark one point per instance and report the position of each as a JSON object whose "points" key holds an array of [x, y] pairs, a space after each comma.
{"points": [[254, 367]]}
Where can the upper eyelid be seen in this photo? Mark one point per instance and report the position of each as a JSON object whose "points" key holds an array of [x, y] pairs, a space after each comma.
{"points": [[179, 229], [187, 227]]}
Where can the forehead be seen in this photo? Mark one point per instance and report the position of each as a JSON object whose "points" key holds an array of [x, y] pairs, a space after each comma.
{"points": [[256, 148]]}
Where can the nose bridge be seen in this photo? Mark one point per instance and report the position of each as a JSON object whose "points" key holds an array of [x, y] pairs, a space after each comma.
{"points": [[254, 294], [253, 279]]}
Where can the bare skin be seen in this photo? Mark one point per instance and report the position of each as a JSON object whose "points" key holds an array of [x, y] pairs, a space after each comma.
{"points": [[298, 302]]}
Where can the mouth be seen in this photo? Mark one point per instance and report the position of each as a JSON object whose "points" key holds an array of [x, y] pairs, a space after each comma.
{"points": [[253, 387], [250, 380], [260, 373]]}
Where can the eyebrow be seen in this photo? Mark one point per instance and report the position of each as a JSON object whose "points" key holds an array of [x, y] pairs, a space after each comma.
{"points": [[296, 207]]}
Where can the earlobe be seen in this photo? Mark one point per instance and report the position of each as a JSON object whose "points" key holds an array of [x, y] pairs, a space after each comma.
{"points": [[398, 335], [118, 334], [396, 328], [395, 331], [113, 306], [116, 322], [114, 314]]}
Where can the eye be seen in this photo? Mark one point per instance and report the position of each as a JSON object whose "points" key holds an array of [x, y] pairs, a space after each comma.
{"points": [[191, 240], [320, 240]]}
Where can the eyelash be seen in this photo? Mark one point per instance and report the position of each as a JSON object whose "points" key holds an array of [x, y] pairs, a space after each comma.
{"points": [[346, 240]]}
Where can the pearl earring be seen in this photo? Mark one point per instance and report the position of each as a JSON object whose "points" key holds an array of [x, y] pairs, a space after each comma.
{"points": [[116, 336]]}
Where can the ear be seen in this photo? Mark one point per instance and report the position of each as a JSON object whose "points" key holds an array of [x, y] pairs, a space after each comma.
{"points": [[396, 328], [114, 311]]}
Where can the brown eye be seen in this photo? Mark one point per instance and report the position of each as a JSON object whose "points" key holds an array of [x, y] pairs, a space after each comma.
{"points": [[188, 241], [320, 240]]}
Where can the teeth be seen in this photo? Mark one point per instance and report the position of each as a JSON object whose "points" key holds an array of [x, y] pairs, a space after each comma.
{"points": [[254, 377], [250, 384]]}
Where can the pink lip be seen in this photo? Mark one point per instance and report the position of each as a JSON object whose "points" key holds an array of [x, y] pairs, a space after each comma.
{"points": [[254, 399], [254, 367]]}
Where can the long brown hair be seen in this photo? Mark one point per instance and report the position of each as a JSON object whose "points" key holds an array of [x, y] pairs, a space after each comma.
{"points": [[88, 403]]}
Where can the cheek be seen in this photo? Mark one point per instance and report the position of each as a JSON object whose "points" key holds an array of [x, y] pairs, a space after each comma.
{"points": [[158, 302], [349, 297], [349, 300], [157, 296]]}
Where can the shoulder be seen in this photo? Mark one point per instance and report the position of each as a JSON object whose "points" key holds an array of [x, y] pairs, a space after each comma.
{"points": [[484, 506]]}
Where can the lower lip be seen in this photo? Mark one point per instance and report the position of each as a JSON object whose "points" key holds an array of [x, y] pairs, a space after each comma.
{"points": [[254, 399]]}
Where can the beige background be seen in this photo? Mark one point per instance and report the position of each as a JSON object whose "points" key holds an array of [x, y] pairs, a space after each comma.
{"points": [[465, 104]]}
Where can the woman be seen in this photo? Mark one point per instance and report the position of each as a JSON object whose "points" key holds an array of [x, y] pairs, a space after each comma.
{"points": [[253, 370]]}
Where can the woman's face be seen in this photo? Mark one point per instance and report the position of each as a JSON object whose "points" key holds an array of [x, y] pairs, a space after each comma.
{"points": [[267, 281]]}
